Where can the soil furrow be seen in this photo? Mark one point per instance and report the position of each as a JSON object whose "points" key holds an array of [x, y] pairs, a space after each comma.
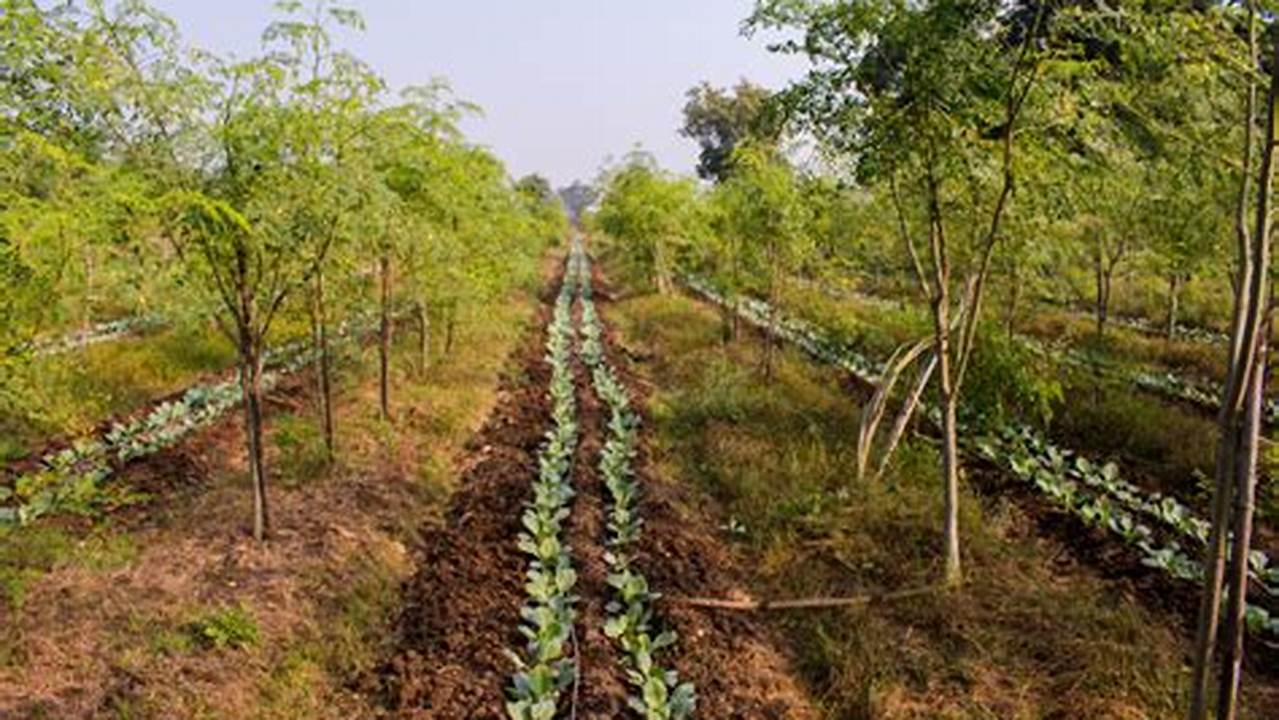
{"points": [[738, 668], [603, 686], [461, 608], [460, 613]]}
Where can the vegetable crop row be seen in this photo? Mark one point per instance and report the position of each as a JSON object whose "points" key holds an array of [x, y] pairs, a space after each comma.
{"points": [[70, 479], [657, 692], [102, 332], [1203, 393], [1093, 493], [544, 670]]}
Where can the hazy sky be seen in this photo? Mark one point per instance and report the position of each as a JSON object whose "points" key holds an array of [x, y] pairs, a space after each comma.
{"points": [[563, 83]]}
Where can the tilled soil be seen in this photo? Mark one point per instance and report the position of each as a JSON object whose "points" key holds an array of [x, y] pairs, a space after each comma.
{"points": [[461, 609]]}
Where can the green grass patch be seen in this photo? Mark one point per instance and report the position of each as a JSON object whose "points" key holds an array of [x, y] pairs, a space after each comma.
{"points": [[1022, 639], [230, 627]]}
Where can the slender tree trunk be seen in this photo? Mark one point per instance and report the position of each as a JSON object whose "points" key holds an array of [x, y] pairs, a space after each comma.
{"points": [[1253, 261], [384, 344], [320, 319], [1014, 297], [86, 319], [726, 323], [953, 574], [770, 334], [1245, 507], [1174, 293], [450, 328], [424, 339], [1103, 290], [661, 268], [251, 391]]}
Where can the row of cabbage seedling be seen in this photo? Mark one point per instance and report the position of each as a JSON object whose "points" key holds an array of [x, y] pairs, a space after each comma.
{"points": [[545, 670], [1202, 393], [71, 479], [100, 333], [1188, 333], [1206, 395], [657, 693], [1094, 493]]}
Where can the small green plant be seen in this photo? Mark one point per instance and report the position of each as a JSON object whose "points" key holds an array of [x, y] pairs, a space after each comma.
{"points": [[228, 627]]}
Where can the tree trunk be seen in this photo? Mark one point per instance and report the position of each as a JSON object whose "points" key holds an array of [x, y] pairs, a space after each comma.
{"points": [[1174, 292], [953, 574], [323, 365], [770, 334], [86, 319], [1103, 291], [1245, 506], [251, 391], [424, 339], [1253, 265], [384, 344], [450, 325], [661, 268], [1014, 297]]}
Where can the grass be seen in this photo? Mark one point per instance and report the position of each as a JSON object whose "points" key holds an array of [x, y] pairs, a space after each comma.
{"points": [[72, 392], [231, 627], [297, 637], [1029, 636], [1169, 443]]}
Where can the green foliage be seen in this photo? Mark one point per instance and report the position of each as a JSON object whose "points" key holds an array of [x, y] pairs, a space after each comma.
{"points": [[231, 627], [652, 215], [720, 121], [1009, 380]]}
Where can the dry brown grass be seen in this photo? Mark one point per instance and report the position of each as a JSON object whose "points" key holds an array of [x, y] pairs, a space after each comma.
{"points": [[91, 642]]}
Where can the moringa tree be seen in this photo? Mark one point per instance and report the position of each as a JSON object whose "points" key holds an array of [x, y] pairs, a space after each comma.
{"points": [[652, 214], [766, 226], [929, 98]]}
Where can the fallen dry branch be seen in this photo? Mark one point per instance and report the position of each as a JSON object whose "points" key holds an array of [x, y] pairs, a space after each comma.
{"points": [[814, 603]]}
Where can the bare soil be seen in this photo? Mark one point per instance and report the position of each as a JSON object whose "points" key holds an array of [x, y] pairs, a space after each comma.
{"points": [[461, 608]]}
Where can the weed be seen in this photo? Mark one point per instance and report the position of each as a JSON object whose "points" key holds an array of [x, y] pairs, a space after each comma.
{"points": [[227, 627]]}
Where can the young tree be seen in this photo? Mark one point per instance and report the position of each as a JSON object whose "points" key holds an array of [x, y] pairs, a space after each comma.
{"points": [[1187, 231], [332, 98], [224, 231], [652, 213], [1239, 420], [928, 97], [767, 220]]}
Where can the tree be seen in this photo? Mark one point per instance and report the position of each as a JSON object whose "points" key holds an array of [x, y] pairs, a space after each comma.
{"points": [[578, 197], [225, 230], [929, 97], [1242, 398], [767, 224], [652, 214], [1187, 231], [719, 120]]}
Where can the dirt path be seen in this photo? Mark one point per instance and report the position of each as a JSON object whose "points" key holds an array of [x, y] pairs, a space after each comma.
{"points": [[462, 606]]}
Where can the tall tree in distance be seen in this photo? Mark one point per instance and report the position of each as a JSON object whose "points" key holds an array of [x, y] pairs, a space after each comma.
{"points": [[719, 120], [577, 198]]}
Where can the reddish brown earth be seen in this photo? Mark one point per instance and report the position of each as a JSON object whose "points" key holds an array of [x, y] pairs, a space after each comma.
{"points": [[461, 608]]}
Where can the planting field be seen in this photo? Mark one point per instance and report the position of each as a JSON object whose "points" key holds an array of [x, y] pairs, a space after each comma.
{"points": [[926, 374]]}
